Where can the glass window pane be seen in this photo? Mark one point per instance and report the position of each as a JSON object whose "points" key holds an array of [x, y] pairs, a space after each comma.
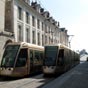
{"points": [[20, 13], [20, 33], [22, 57], [50, 55], [9, 55], [33, 37], [27, 35], [27, 18], [36, 57]]}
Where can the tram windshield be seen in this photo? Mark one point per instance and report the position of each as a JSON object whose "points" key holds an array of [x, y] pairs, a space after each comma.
{"points": [[9, 55], [50, 55]]}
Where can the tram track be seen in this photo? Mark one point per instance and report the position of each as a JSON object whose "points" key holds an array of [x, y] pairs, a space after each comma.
{"points": [[30, 82]]}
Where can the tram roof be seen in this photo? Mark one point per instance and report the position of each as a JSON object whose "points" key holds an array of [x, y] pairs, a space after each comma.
{"points": [[25, 44], [59, 45]]}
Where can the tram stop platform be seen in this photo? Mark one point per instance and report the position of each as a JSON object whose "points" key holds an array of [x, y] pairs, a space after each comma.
{"points": [[77, 77]]}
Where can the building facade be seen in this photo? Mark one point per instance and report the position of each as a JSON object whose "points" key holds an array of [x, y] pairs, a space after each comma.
{"points": [[2, 18], [63, 36], [2, 8], [4, 35], [29, 22]]}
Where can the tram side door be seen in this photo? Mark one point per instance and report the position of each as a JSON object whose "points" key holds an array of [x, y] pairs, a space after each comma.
{"points": [[31, 56], [61, 57], [21, 62]]}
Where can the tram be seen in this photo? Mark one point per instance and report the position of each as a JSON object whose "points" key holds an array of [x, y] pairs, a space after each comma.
{"points": [[20, 59], [59, 59]]}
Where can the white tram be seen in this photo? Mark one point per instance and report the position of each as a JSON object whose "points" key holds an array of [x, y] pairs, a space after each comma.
{"points": [[58, 59], [20, 59]]}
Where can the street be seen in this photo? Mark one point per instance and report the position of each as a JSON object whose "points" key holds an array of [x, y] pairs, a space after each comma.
{"points": [[30, 82]]}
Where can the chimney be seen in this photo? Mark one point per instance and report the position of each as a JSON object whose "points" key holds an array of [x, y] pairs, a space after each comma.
{"points": [[58, 24], [62, 29], [46, 14], [51, 19], [53, 22], [33, 4], [36, 6], [66, 31], [42, 11]]}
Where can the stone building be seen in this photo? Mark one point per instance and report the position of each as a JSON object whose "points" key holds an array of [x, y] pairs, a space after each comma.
{"points": [[63, 37], [30, 23], [2, 18], [2, 8], [25, 21]]}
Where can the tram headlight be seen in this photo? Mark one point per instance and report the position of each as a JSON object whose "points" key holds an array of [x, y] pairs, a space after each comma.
{"points": [[0, 68], [10, 69], [52, 67]]}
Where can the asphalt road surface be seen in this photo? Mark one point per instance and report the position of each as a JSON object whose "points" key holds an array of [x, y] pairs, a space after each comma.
{"points": [[75, 78], [31, 82]]}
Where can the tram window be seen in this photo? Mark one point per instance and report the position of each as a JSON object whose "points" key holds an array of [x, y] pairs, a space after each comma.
{"points": [[31, 55], [61, 53], [37, 57], [22, 57], [41, 55], [9, 55], [60, 56]]}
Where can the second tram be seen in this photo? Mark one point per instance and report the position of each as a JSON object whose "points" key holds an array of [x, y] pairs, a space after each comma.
{"points": [[58, 59], [20, 59]]}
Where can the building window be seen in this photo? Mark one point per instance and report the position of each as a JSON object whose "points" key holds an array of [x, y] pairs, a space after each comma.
{"points": [[38, 23], [45, 28], [33, 21], [20, 13], [20, 33], [27, 18], [49, 40], [38, 38], [42, 40], [45, 39], [49, 29], [33, 37], [42, 26], [27, 35]]}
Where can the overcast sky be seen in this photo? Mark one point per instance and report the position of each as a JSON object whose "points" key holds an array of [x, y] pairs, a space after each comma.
{"points": [[73, 15]]}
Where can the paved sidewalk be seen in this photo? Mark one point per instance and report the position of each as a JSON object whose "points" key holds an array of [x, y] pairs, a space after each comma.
{"points": [[75, 78]]}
